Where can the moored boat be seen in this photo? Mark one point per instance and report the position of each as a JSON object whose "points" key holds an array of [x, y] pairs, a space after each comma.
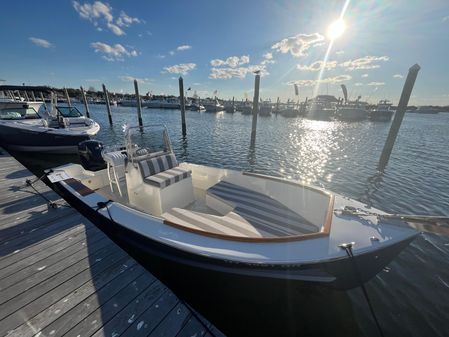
{"points": [[203, 220], [382, 112]]}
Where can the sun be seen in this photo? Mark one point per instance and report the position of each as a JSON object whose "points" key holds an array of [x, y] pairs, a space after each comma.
{"points": [[336, 29]]}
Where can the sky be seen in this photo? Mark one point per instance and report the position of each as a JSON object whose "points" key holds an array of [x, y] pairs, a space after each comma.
{"points": [[217, 45]]}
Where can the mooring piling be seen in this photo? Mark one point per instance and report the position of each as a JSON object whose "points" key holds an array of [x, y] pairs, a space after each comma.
{"points": [[183, 106], [108, 106], [255, 109], [398, 116], [67, 97], [86, 106], [138, 103]]}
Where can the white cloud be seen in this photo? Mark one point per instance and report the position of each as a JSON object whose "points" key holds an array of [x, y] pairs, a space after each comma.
{"points": [[376, 84], [318, 65], [268, 56], [101, 12], [367, 62], [232, 61], [112, 52], [131, 79], [299, 44], [358, 84], [240, 72], [183, 68], [339, 52], [41, 42], [330, 80], [364, 76], [183, 47], [125, 20], [115, 29], [397, 76], [171, 52]]}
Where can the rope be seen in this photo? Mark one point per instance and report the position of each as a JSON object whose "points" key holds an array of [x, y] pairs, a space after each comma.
{"points": [[348, 249], [50, 203]]}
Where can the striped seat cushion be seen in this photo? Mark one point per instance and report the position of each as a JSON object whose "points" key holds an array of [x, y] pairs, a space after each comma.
{"points": [[262, 211], [167, 177], [154, 165]]}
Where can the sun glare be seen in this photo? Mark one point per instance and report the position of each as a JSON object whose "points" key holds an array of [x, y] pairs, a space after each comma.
{"points": [[336, 29]]}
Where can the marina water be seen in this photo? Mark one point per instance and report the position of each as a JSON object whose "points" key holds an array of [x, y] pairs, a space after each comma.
{"points": [[411, 296]]}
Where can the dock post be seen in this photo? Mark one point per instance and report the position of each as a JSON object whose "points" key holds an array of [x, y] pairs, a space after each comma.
{"points": [[398, 116], [67, 97], [255, 109], [183, 106], [139, 103], [108, 106], [277, 105], [86, 106]]}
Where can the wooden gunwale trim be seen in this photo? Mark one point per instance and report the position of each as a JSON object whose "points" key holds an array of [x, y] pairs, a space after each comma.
{"points": [[325, 229]]}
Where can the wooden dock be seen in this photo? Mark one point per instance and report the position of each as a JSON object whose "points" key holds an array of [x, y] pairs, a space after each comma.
{"points": [[61, 276]]}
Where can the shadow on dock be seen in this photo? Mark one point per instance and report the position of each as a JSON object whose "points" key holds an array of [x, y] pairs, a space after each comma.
{"points": [[60, 275]]}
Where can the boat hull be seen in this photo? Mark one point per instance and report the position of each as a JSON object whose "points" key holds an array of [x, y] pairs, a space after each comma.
{"points": [[162, 259], [24, 140]]}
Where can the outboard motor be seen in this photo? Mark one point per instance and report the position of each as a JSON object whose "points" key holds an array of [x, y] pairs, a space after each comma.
{"points": [[89, 152]]}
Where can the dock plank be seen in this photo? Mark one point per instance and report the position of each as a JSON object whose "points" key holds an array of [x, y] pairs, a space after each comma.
{"points": [[61, 276]]}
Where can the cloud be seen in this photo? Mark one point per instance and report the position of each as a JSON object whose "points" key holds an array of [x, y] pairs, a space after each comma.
{"points": [[101, 12], [376, 84], [397, 76], [41, 42], [318, 65], [232, 61], [446, 18], [358, 84], [364, 76], [339, 52], [240, 72], [330, 80], [112, 52], [115, 29], [125, 20], [268, 56], [366, 62], [171, 52], [126, 78], [183, 47], [183, 68], [299, 44]]}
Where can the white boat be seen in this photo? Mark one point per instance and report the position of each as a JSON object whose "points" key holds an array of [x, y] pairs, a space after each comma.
{"points": [[265, 108], [202, 221], [213, 106], [168, 103], [322, 107], [352, 111], [26, 127], [382, 112]]}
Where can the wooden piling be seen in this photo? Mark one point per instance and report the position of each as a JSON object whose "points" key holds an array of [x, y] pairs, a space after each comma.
{"points": [[67, 97], [183, 106], [255, 109], [108, 106], [398, 116], [139, 103], [277, 105], [86, 106]]}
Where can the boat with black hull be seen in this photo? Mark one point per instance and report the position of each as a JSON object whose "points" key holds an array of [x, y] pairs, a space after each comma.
{"points": [[203, 220]]}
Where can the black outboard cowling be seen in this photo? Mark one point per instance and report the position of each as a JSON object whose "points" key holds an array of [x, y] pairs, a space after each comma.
{"points": [[89, 152]]}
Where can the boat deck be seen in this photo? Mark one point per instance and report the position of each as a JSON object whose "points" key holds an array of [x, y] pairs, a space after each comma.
{"points": [[61, 276]]}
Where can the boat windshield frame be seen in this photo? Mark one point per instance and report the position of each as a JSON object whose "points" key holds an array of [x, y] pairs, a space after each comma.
{"points": [[138, 145], [62, 113], [26, 115]]}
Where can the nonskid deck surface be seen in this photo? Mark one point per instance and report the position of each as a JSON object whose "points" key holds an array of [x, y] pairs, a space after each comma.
{"points": [[254, 215]]}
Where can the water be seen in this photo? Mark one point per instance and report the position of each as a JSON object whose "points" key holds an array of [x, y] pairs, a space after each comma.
{"points": [[411, 296]]}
